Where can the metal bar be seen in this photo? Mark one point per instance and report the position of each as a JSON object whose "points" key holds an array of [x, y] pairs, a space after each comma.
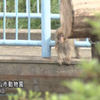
{"points": [[16, 10], [37, 6], [4, 20], [77, 43], [59, 2], [82, 44], [38, 43], [59, 5], [26, 6], [28, 19], [32, 15], [46, 28], [20, 42], [87, 39]]}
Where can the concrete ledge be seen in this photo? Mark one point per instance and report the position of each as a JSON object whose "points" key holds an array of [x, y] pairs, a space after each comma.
{"points": [[39, 70], [36, 66], [34, 60], [36, 71]]}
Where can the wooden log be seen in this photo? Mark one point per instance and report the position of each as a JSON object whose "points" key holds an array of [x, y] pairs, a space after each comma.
{"points": [[81, 33], [73, 13], [84, 9]]}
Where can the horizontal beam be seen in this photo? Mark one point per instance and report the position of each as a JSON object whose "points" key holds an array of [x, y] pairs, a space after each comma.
{"points": [[77, 43], [38, 43], [77, 33], [82, 44], [20, 43], [25, 15]]}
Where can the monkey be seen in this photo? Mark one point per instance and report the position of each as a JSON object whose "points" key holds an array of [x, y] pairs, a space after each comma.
{"points": [[64, 48]]}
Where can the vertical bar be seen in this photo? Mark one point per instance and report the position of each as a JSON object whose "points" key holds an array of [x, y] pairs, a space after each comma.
{"points": [[37, 6], [26, 6], [28, 19], [46, 28], [87, 39], [59, 6], [59, 2], [4, 20], [16, 10]]}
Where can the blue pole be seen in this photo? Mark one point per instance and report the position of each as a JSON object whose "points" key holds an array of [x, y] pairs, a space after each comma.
{"points": [[87, 39], [59, 5], [46, 28], [59, 2], [28, 19], [25, 15], [20, 42], [26, 6], [4, 20], [16, 10], [37, 6], [77, 43]]}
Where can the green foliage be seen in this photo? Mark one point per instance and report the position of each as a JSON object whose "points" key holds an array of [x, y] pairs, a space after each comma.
{"points": [[23, 95], [23, 23], [54, 6], [1, 5], [92, 70], [10, 6], [55, 9], [95, 24]]}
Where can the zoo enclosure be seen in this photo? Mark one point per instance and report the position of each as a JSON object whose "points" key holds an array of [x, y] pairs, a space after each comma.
{"points": [[46, 43]]}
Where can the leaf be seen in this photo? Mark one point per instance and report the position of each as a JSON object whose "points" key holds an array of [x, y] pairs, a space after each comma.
{"points": [[54, 97], [38, 95], [16, 97], [9, 97], [19, 91], [24, 94], [31, 94]]}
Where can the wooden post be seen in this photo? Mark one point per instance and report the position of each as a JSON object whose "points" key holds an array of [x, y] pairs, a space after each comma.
{"points": [[94, 51]]}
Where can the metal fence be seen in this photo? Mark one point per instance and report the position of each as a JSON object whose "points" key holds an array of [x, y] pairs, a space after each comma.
{"points": [[45, 15]]}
